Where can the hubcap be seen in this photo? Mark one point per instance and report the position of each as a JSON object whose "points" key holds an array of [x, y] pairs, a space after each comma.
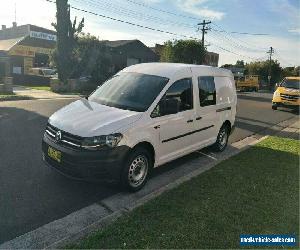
{"points": [[138, 171], [223, 138]]}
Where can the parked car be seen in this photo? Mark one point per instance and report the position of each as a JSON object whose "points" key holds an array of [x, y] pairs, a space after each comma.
{"points": [[46, 72], [141, 118], [287, 93]]}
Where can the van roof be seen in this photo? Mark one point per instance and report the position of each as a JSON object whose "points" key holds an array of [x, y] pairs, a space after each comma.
{"points": [[169, 69], [293, 78]]}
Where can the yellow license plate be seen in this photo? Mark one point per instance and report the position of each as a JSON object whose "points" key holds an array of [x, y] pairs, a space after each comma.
{"points": [[54, 154]]}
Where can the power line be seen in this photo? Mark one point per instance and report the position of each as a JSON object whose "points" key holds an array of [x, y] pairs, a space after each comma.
{"points": [[230, 51], [132, 14], [190, 17], [137, 15], [242, 41], [232, 42], [149, 28], [243, 33], [211, 35], [126, 22], [161, 10], [279, 57], [236, 45]]}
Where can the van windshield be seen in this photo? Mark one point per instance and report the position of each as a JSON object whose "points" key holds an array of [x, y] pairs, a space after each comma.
{"points": [[292, 84], [132, 91]]}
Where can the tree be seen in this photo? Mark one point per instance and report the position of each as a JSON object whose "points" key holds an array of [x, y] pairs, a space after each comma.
{"points": [[240, 64], [67, 35], [183, 51], [290, 71], [262, 69], [94, 59]]}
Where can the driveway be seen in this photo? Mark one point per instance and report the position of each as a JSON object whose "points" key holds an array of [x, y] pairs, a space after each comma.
{"points": [[39, 94]]}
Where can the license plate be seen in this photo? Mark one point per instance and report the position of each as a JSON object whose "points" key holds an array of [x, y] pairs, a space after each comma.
{"points": [[54, 154]]}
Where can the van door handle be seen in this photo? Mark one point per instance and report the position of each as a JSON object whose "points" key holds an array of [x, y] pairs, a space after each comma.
{"points": [[198, 118], [188, 121], [157, 126]]}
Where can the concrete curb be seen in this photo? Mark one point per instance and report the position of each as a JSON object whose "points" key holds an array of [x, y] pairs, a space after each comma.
{"points": [[86, 220]]}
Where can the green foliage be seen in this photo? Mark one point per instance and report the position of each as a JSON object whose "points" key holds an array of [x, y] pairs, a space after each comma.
{"points": [[93, 59], [183, 51], [64, 56], [240, 64], [291, 71], [262, 69]]}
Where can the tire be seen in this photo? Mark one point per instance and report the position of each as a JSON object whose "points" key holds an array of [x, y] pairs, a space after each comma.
{"points": [[136, 171], [274, 106], [222, 139]]}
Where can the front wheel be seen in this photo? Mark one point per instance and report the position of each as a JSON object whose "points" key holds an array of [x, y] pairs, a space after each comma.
{"points": [[136, 171], [222, 139], [274, 106]]}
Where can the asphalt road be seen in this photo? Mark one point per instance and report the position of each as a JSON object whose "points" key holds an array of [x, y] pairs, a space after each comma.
{"points": [[32, 195]]}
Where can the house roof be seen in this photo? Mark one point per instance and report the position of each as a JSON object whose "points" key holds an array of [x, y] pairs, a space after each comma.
{"points": [[6, 45], [118, 43]]}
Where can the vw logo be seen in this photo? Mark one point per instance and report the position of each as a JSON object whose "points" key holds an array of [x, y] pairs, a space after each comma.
{"points": [[58, 136]]}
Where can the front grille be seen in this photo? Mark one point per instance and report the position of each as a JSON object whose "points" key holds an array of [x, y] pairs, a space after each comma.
{"points": [[75, 170], [67, 139], [287, 97]]}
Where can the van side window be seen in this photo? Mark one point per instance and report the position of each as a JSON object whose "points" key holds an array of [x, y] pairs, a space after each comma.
{"points": [[178, 98], [207, 90]]}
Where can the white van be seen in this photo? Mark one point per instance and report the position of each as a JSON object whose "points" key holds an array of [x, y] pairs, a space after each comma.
{"points": [[144, 116]]}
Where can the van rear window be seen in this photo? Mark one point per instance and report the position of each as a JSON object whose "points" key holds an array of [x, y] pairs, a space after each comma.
{"points": [[207, 90]]}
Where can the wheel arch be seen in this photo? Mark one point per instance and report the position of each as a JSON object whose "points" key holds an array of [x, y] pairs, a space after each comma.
{"points": [[148, 146], [227, 123]]}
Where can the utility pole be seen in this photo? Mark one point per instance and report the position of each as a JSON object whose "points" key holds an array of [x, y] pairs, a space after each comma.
{"points": [[270, 52], [204, 30]]}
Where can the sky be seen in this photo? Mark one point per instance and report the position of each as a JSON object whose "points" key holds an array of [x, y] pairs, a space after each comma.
{"points": [[278, 19]]}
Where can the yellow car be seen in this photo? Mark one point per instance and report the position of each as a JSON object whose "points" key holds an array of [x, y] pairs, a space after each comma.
{"points": [[287, 93]]}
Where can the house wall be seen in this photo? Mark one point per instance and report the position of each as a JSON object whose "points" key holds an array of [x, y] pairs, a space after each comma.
{"points": [[212, 59]]}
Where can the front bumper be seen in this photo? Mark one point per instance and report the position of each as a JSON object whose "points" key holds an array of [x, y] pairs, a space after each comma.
{"points": [[100, 165], [286, 104], [285, 100]]}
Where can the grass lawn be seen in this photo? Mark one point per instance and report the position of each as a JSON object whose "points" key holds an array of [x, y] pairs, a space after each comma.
{"points": [[41, 88], [255, 192], [12, 97]]}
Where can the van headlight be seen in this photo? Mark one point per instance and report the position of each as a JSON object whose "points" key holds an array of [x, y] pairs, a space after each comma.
{"points": [[97, 142]]}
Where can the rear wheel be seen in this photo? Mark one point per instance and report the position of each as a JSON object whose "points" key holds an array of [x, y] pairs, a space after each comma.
{"points": [[222, 139], [136, 171]]}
